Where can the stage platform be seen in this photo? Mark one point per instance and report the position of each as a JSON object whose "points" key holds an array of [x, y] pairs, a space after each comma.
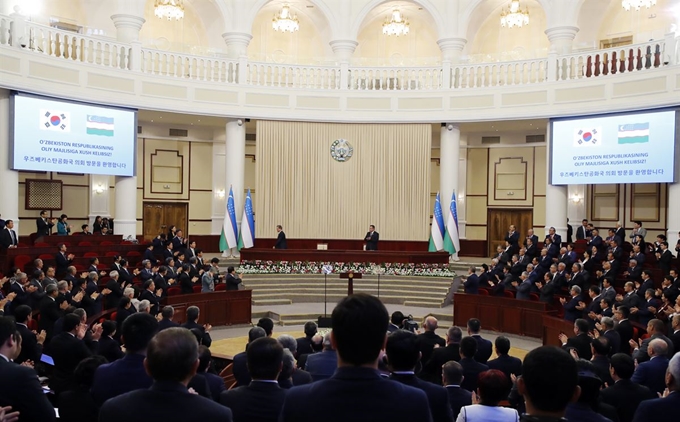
{"points": [[345, 256]]}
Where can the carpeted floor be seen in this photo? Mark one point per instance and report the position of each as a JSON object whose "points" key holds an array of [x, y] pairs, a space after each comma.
{"points": [[231, 346]]}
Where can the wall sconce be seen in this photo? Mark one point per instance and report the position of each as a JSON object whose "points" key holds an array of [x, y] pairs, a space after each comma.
{"points": [[575, 198], [219, 193], [99, 189]]}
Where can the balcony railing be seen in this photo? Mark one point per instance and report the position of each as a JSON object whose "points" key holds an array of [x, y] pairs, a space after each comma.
{"points": [[65, 45]]}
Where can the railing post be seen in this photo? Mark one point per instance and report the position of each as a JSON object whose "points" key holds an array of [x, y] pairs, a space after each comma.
{"points": [[552, 68], [344, 76], [242, 75], [670, 50], [446, 74], [136, 56], [17, 29]]}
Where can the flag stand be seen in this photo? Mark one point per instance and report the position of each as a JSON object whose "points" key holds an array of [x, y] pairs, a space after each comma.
{"points": [[378, 285], [324, 321]]}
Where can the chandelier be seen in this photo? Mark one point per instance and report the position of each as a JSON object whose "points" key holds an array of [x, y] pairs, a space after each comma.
{"points": [[637, 4], [285, 22], [170, 9], [514, 16], [396, 25]]}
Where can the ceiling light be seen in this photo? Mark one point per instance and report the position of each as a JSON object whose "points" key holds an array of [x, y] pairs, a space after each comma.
{"points": [[514, 15], [169, 9], [396, 24], [285, 22], [637, 4]]}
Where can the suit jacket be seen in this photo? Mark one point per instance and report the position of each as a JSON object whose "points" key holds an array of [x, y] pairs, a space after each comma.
{"points": [[601, 364], [625, 330], [232, 282], [570, 311], [113, 299], [620, 233], [458, 397], [67, 352], [658, 409], [548, 291], [523, 290], [110, 349], [240, 369], [43, 228], [534, 240], [169, 401], [166, 323], [432, 370], [426, 342], [437, 396], [581, 343], [625, 396], [153, 299], [372, 398], [6, 239], [472, 284], [664, 261], [281, 242], [614, 338], [471, 370], [30, 349], [652, 374], [506, 364], [49, 314], [644, 286], [322, 365], [642, 356], [582, 232], [675, 338], [258, 401], [21, 390], [371, 240], [207, 340], [304, 346], [484, 349], [301, 377], [113, 379]]}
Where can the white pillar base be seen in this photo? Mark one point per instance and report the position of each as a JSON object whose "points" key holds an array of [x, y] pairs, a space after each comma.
{"points": [[125, 214]]}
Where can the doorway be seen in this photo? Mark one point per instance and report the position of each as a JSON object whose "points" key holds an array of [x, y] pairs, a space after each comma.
{"points": [[159, 216], [498, 221]]}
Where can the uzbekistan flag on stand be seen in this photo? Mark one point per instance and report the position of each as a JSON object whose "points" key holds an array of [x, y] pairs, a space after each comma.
{"points": [[99, 125], [437, 235], [247, 237], [636, 133], [451, 239], [229, 228]]}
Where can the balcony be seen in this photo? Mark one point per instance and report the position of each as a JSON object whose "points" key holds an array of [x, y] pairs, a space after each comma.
{"points": [[60, 63]]}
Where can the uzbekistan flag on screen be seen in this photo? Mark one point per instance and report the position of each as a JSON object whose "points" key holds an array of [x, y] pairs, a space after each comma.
{"points": [[636, 133], [55, 120], [99, 125]]}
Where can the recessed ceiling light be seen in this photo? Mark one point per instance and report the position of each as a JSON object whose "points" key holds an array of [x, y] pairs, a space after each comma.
{"points": [[199, 120], [151, 120], [160, 117]]}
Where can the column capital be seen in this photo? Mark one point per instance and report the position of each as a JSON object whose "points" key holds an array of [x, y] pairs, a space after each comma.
{"points": [[561, 38], [132, 23], [451, 126], [344, 49], [451, 48], [237, 43]]}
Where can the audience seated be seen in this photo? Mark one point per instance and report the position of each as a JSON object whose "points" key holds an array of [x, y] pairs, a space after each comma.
{"points": [[172, 361], [402, 357], [471, 368], [492, 387], [262, 399]]}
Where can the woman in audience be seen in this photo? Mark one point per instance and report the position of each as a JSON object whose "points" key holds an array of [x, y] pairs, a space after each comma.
{"points": [[171, 232], [587, 263], [97, 225], [492, 387], [63, 228]]}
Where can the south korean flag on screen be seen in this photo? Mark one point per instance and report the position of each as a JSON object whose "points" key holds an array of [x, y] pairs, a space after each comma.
{"points": [[55, 120], [587, 137]]}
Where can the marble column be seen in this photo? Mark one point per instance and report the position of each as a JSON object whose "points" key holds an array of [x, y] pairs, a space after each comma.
{"points": [[9, 187], [343, 50], [555, 200], [452, 49], [99, 198], [125, 213]]}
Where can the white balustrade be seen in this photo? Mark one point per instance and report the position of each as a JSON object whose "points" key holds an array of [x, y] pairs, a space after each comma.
{"points": [[395, 78], [5, 35], [209, 69], [293, 76], [484, 75], [623, 59]]}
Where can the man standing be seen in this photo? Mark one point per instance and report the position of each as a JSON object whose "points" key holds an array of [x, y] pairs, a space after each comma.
{"points": [[8, 237], [513, 239], [582, 232], [281, 242], [432, 370], [428, 339], [371, 239], [359, 324], [471, 283], [323, 365], [484, 348], [43, 224], [663, 408], [624, 394]]}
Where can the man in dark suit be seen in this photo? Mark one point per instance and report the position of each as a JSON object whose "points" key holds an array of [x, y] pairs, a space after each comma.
{"points": [[555, 238], [452, 374], [262, 399], [484, 347], [148, 254], [530, 236], [581, 341], [620, 232], [664, 258], [607, 326], [172, 361], [371, 239], [240, 363], [513, 239], [166, 322], [31, 344], [432, 370], [471, 283], [281, 242], [647, 283], [304, 344], [402, 358], [675, 329], [471, 368], [323, 365], [624, 394], [43, 224], [655, 329], [108, 346], [595, 241], [67, 350], [652, 373], [192, 316], [663, 408], [570, 232], [152, 295], [20, 388], [50, 310], [582, 232], [571, 311], [359, 323], [128, 373], [428, 339], [8, 237], [624, 328], [504, 362], [600, 349]]}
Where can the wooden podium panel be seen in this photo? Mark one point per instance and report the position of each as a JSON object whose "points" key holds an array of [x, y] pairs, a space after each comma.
{"points": [[502, 314], [217, 308]]}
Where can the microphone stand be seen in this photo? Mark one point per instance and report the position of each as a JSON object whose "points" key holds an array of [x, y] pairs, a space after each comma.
{"points": [[378, 285], [325, 293]]}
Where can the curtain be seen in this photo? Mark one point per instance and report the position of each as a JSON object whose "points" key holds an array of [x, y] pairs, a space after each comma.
{"points": [[300, 186]]}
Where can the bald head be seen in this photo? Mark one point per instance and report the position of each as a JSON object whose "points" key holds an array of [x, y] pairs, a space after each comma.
{"points": [[430, 323]]}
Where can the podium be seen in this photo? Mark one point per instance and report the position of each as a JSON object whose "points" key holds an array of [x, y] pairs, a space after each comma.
{"points": [[350, 276]]}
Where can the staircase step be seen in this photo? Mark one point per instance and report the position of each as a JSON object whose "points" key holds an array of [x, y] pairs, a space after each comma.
{"points": [[423, 303], [278, 301]]}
